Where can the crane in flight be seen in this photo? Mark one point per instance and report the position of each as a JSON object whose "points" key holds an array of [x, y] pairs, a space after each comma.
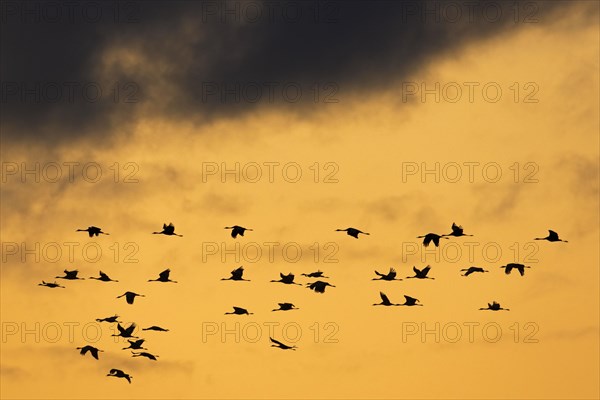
{"points": [[70, 275], [51, 284], [117, 373], [125, 332], [421, 273], [237, 230], [168, 230], [112, 319], [135, 345], [277, 343], [163, 277], [93, 350], [144, 354], [103, 277], [410, 301], [390, 276], [385, 301], [457, 230], [494, 307], [319, 286], [552, 237], [287, 279], [239, 311], [519, 267], [432, 237], [352, 232], [471, 270], [236, 275], [286, 307], [130, 296], [316, 274], [93, 231]]}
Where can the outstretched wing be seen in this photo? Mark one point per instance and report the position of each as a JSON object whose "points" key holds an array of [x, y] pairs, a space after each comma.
{"points": [[164, 274], [417, 270], [384, 298], [277, 342], [425, 270], [103, 275]]}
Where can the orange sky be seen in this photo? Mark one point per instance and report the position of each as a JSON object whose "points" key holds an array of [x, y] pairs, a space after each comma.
{"points": [[347, 347]]}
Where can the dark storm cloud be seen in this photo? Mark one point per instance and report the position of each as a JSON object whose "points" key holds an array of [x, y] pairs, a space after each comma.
{"points": [[186, 54]]}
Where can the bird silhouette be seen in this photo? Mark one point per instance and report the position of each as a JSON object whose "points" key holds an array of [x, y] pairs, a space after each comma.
{"points": [[237, 230], [352, 232], [103, 277], [93, 351], [421, 273], [286, 307], [552, 237], [432, 237], [509, 267], [168, 230], [51, 285], [155, 328], [163, 277], [457, 230], [93, 231], [135, 345], [130, 296], [410, 301], [108, 319], [117, 373], [471, 270], [239, 311], [70, 275], [317, 274], [287, 279], [390, 276], [277, 343], [319, 286], [125, 332], [236, 275], [494, 307], [144, 354], [385, 301]]}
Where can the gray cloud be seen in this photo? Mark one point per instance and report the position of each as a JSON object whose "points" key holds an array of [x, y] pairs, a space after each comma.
{"points": [[170, 50]]}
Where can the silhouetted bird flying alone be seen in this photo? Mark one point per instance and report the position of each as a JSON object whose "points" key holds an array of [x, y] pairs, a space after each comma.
{"points": [[103, 277], [286, 307], [431, 237], [163, 277], [93, 231], [70, 275], [236, 275], [277, 343], [509, 267], [457, 230], [168, 230], [385, 301], [410, 301], [125, 332], [494, 307], [130, 296], [319, 286], [155, 328], [471, 270], [352, 232], [421, 273], [108, 319], [317, 274], [93, 351], [552, 237], [237, 230], [135, 345], [144, 354], [287, 279], [50, 285], [239, 311], [390, 276], [117, 373]]}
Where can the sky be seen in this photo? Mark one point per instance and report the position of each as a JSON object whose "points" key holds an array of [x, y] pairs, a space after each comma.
{"points": [[296, 119]]}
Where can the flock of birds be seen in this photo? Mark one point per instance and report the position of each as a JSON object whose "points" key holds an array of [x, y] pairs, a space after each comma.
{"points": [[237, 274]]}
